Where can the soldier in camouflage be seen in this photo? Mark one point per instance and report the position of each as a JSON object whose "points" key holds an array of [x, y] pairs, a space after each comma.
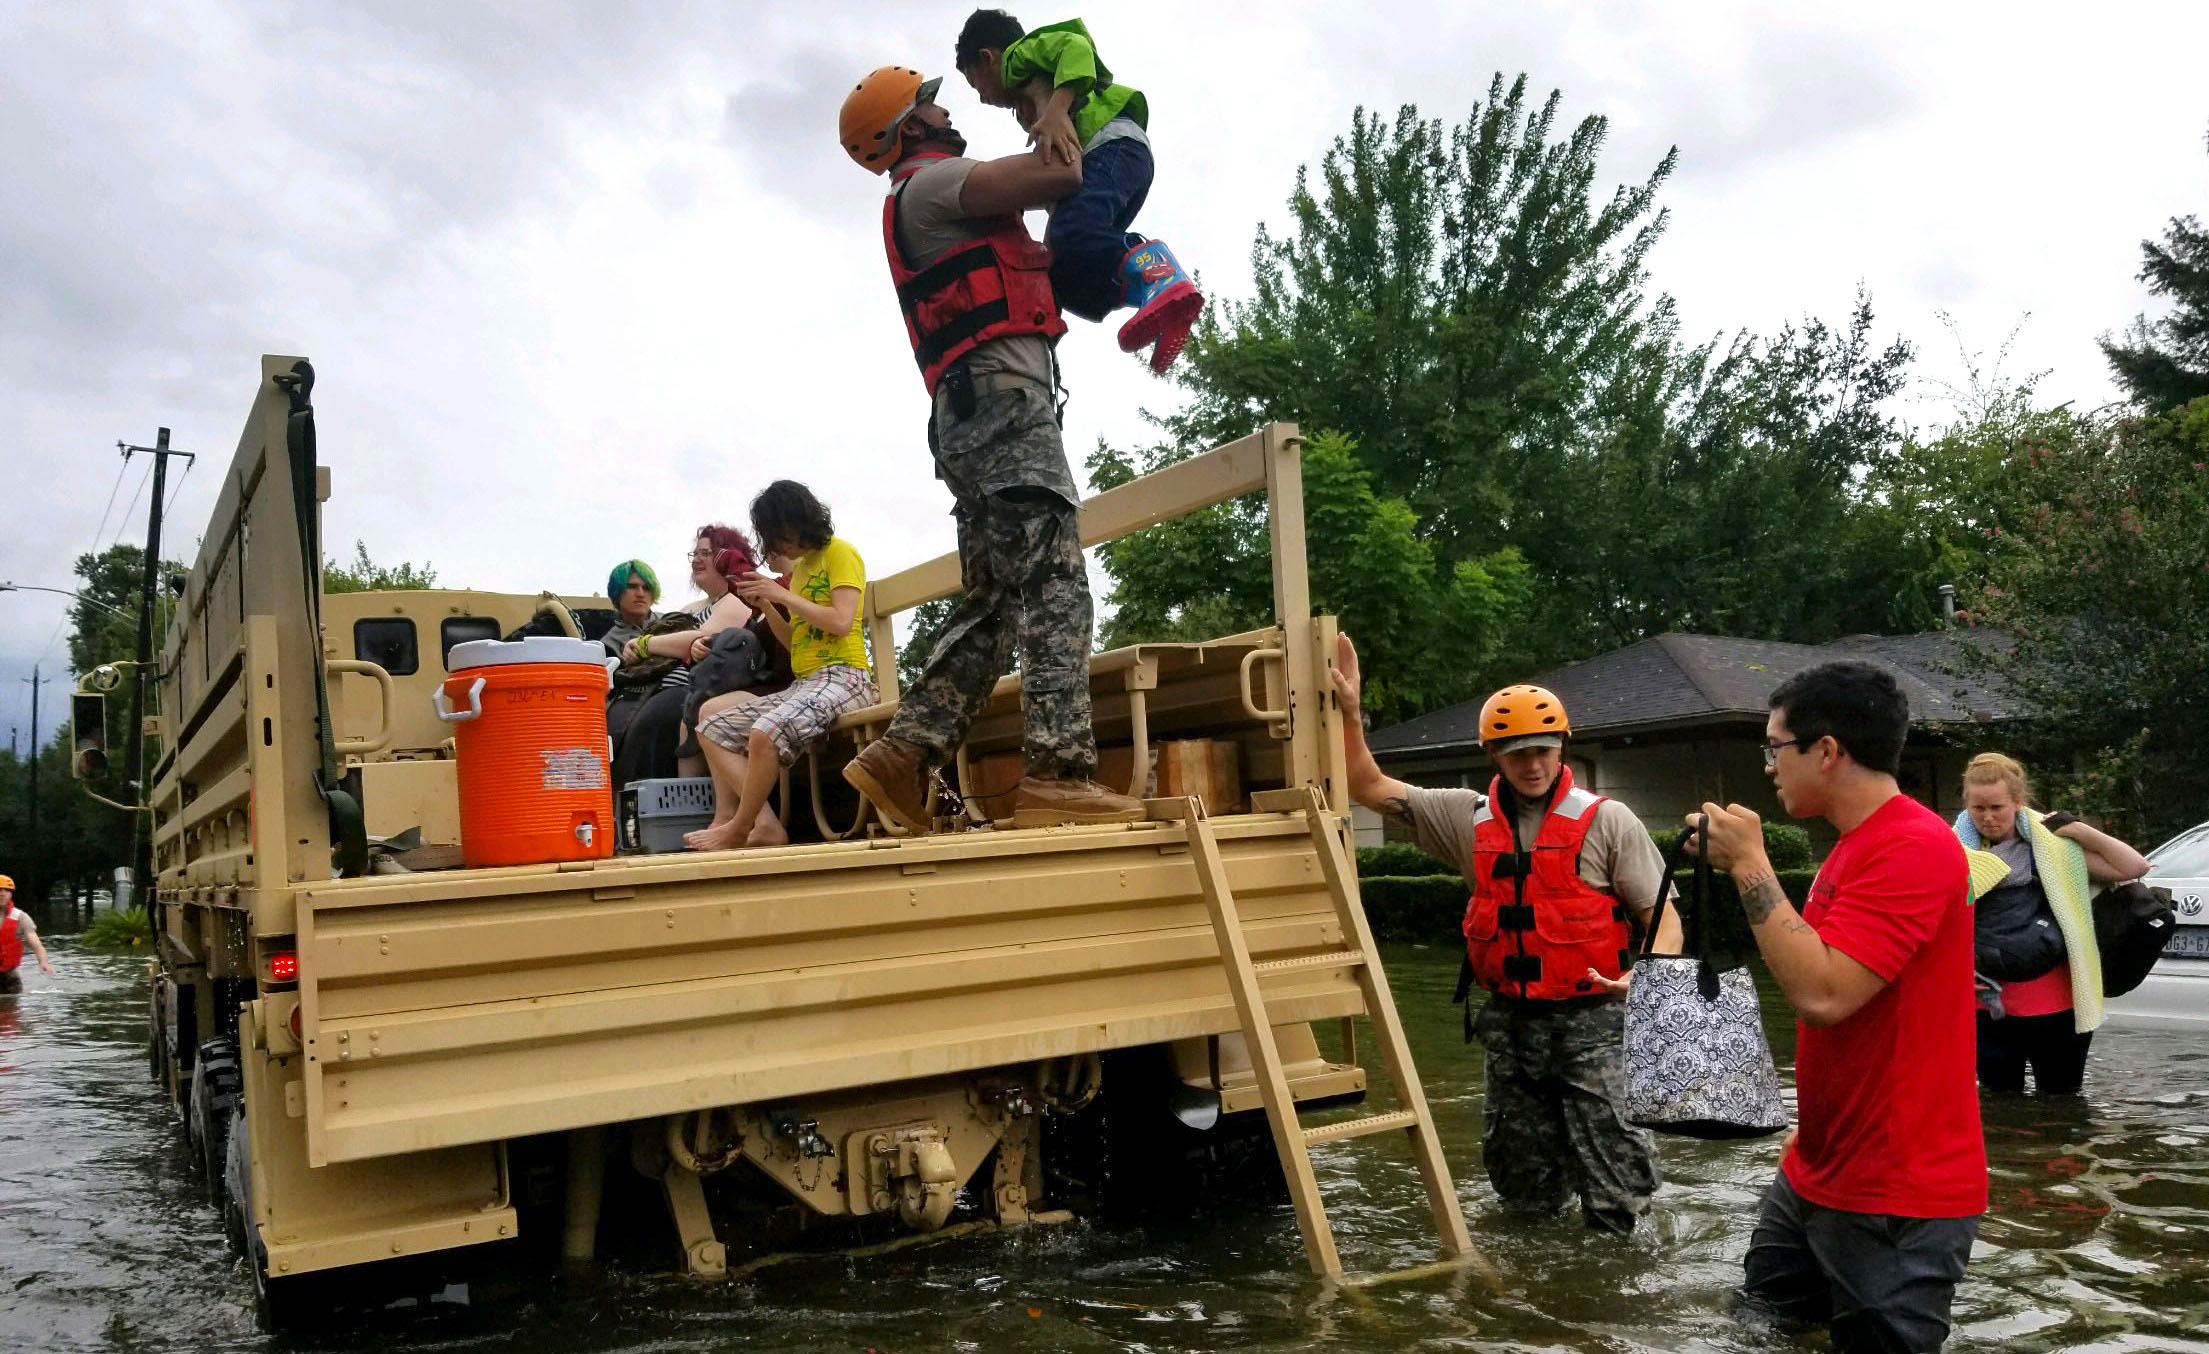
{"points": [[1558, 877], [982, 322], [1025, 585]]}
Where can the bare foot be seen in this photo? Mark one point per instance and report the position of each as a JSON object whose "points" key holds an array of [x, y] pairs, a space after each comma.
{"points": [[723, 837], [769, 832]]}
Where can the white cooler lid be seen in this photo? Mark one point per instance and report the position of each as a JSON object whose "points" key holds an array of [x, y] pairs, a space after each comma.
{"points": [[491, 653]]}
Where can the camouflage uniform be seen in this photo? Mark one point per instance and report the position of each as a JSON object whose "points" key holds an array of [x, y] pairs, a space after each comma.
{"points": [[1021, 565], [1552, 1120]]}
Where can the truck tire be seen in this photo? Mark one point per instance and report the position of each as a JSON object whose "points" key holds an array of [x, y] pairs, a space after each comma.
{"points": [[216, 1098], [278, 1303]]}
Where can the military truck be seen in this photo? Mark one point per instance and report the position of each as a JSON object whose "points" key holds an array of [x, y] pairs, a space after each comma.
{"points": [[380, 1056]]}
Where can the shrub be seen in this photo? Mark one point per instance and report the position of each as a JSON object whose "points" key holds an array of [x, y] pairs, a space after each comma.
{"points": [[1427, 908], [1396, 858], [1729, 925], [116, 931], [1786, 844]]}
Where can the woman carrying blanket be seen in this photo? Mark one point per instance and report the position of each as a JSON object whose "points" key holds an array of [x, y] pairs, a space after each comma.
{"points": [[2039, 973]]}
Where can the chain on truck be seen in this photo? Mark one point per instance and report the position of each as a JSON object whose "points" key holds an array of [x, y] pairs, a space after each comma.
{"points": [[382, 1055]]}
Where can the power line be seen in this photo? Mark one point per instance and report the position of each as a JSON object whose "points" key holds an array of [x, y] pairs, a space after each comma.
{"points": [[122, 524], [112, 490]]}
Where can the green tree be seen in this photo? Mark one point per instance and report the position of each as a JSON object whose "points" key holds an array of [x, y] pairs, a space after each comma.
{"points": [[2105, 585], [1465, 309], [1423, 622], [365, 575], [913, 650], [2164, 363]]}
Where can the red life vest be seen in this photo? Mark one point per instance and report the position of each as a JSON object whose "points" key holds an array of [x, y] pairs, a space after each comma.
{"points": [[1539, 942], [998, 286], [11, 939]]}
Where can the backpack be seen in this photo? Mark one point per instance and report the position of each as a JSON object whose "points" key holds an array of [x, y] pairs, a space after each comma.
{"points": [[2132, 924], [2014, 935], [742, 658]]}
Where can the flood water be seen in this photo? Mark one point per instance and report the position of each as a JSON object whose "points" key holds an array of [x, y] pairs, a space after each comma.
{"points": [[2098, 1238]]}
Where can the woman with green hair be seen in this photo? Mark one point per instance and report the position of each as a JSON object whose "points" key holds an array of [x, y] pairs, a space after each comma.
{"points": [[633, 589]]}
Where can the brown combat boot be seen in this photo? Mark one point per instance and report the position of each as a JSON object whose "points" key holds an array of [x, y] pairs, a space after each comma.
{"points": [[1058, 802], [893, 775]]}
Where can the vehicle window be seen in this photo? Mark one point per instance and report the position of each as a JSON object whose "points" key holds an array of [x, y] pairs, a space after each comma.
{"points": [[388, 642], [461, 630], [2185, 856]]}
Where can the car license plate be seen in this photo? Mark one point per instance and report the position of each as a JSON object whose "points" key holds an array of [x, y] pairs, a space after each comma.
{"points": [[2191, 941]]}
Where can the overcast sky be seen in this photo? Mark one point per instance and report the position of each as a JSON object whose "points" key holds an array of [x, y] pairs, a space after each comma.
{"points": [[579, 277]]}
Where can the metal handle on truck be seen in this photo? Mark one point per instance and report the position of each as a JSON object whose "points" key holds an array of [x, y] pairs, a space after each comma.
{"points": [[382, 738], [444, 707], [1250, 702]]}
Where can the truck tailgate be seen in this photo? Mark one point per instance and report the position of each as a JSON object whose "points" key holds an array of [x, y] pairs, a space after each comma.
{"points": [[440, 1009]]}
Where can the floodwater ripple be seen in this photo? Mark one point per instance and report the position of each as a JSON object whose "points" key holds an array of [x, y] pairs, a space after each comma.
{"points": [[2097, 1240]]}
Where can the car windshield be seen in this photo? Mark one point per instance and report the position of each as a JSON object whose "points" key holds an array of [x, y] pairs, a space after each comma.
{"points": [[2185, 856]]}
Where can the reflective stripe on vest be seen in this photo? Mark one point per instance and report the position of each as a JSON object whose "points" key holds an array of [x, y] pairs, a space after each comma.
{"points": [[998, 286], [1539, 944]]}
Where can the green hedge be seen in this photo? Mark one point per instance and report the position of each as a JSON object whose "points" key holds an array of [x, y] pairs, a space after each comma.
{"points": [[1730, 929], [1429, 909], [1786, 844], [1425, 908], [1396, 859]]}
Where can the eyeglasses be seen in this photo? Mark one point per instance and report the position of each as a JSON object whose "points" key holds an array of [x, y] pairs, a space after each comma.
{"points": [[1772, 749]]}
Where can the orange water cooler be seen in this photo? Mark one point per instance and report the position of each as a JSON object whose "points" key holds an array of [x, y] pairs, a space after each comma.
{"points": [[533, 761]]}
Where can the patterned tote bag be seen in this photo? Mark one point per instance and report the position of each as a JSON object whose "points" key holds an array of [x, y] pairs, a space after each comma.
{"points": [[1696, 1060]]}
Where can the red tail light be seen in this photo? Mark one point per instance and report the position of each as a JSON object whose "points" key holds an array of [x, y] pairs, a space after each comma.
{"points": [[283, 967], [295, 1021]]}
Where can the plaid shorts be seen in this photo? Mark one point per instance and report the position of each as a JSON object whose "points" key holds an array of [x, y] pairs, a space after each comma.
{"points": [[794, 716]]}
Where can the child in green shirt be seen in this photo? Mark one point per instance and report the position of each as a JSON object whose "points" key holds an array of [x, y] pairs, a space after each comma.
{"points": [[1073, 108]]}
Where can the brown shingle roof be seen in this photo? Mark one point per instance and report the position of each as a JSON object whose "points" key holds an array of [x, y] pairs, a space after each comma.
{"points": [[1680, 680]]}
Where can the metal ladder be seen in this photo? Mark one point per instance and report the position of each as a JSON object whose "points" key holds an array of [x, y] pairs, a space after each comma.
{"points": [[1291, 1139]]}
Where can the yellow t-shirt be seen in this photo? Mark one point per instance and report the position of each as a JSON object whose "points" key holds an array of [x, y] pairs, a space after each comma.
{"points": [[815, 577]]}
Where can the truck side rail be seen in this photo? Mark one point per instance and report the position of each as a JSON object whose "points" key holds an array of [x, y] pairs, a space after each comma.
{"points": [[437, 1011], [1269, 460]]}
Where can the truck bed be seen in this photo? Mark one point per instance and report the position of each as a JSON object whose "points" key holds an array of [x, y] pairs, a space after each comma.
{"points": [[468, 1007]]}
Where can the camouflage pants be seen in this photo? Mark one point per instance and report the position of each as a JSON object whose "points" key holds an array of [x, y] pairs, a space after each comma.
{"points": [[1026, 588], [1553, 1118]]}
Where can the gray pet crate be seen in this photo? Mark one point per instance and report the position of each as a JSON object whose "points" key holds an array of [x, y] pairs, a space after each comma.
{"points": [[656, 813]]}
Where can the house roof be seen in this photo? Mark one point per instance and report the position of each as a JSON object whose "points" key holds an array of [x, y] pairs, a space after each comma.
{"points": [[1680, 680]]}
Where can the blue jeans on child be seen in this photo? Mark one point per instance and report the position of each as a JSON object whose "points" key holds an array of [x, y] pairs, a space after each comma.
{"points": [[1088, 234]]}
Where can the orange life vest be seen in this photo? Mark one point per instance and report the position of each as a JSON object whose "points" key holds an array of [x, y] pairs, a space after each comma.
{"points": [[998, 286], [11, 939], [1534, 927]]}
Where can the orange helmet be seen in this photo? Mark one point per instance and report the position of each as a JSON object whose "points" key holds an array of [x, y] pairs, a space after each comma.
{"points": [[1521, 712], [7, 882], [867, 127]]}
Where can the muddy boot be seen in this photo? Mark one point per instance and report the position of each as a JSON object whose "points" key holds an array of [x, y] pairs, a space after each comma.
{"points": [[893, 774], [1165, 300], [1060, 802]]}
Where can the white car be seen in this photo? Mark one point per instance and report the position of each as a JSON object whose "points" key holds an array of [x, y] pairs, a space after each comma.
{"points": [[2175, 994]]}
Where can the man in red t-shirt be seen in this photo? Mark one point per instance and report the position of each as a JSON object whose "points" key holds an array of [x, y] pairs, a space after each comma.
{"points": [[1867, 1226]]}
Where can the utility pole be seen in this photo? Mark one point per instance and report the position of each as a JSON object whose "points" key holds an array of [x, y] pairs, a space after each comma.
{"points": [[142, 841], [35, 892]]}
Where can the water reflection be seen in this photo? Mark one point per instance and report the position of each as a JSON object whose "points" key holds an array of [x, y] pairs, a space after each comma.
{"points": [[2098, 1239]]}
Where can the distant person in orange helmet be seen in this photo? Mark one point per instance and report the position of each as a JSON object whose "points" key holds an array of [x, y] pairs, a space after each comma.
{"points": [[1562, 882], [16, 931]]}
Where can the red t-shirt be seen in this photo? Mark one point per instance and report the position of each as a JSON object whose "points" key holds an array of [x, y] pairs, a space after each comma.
{"points": [[1888, 1099]]}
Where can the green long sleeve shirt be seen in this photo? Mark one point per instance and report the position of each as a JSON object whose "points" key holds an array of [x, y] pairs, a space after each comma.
{"points": [[1064, 54]]}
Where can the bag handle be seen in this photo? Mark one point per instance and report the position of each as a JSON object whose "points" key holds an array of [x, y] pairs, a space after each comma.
{"points": [[1673, 860]]}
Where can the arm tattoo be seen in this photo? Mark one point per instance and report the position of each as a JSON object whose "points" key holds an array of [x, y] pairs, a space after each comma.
{"points": [[1397, 806], [1759, 896]]}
